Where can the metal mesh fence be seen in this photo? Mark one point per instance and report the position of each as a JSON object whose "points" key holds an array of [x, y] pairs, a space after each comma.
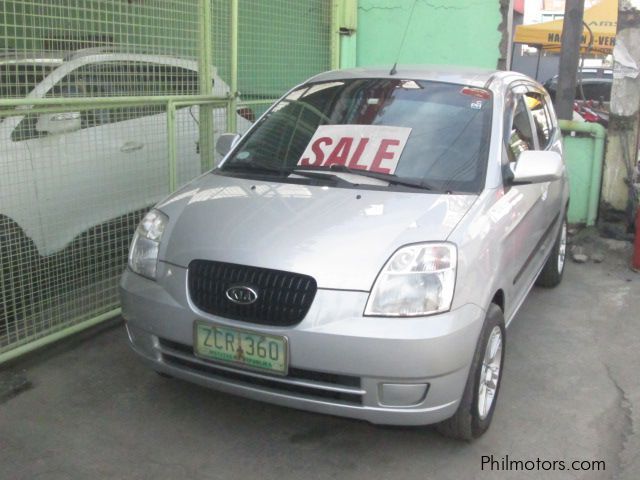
{"points": [[106, 107], [161, 26]]}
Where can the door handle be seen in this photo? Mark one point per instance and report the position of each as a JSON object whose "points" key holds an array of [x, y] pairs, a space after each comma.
{"points": [[131, 147]]}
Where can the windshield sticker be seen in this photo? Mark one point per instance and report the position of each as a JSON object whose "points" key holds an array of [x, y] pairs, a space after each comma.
{"points": [[375, 148], [410, 85]]}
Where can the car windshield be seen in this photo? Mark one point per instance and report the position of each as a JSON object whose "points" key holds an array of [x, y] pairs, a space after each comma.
{"points": [[427, 133]]}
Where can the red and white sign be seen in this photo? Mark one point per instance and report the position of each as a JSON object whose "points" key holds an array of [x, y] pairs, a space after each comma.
{"points": [[362, 147]]}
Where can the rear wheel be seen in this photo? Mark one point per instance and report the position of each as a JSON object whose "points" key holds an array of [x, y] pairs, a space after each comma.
{"points": [[551, 274], [478, 402]]}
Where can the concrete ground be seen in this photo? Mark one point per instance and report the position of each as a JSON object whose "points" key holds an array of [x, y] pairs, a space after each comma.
{"points": [[571, 391]]}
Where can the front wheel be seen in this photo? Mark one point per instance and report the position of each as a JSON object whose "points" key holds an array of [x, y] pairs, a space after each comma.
{"points": [[478, 402], [551, 274], [18, 279]]}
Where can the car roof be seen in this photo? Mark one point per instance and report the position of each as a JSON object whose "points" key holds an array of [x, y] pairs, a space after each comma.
{"points": [[477, 77], [56, 58], [31, 58]]}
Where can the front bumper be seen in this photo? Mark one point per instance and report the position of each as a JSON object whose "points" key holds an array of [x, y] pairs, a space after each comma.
{"points": [[400, 371]]}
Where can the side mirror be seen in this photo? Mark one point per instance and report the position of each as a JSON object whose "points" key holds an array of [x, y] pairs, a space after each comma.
{"points": [[226, 141], [53, 123], [534, 166]]}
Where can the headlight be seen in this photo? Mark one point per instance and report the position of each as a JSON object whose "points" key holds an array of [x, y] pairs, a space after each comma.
{"points": [[417, 280], [143, 254]]}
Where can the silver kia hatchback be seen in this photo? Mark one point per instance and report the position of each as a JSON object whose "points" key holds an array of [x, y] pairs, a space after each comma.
{"points": [[361, 249]]}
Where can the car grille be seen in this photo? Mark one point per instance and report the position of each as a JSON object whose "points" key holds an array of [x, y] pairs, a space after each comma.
{"points": [[283, 298], [342, 389]]}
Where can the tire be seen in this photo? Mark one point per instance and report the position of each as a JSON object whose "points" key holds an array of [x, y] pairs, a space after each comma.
{"points": [[476, 408], [551, 274], [19, 261]]}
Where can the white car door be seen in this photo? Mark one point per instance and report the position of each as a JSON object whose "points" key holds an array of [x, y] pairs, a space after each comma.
{"points": [[112, 162], [93, 166], [85, 162]]}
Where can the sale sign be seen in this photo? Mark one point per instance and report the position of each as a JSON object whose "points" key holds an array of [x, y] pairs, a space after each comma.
{"points": [[376, 148]]}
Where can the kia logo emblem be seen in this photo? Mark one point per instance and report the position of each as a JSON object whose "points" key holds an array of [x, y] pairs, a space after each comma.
{"points": [[241, 295]]}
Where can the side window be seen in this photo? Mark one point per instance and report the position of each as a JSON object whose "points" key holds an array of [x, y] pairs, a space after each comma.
{"points": [[137, 79], [114, 79], [520, 136], [541, 118], [170, 80]]}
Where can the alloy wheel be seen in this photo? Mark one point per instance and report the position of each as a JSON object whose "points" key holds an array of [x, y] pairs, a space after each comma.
{"points": [[490, 373], [562, 248]]}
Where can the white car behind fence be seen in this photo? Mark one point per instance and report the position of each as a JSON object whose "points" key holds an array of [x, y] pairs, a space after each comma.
{"points": [[67, 174]]}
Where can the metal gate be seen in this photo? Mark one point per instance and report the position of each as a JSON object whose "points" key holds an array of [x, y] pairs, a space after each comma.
{"points": [[106, 106]]}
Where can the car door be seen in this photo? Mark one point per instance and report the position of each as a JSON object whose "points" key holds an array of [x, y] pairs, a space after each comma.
{"points": [[528, 218], [548, 139], [82, 170], [112, 163]]}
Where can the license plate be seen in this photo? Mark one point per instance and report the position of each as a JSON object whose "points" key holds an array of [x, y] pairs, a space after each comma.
{"points": [[242, 348]]}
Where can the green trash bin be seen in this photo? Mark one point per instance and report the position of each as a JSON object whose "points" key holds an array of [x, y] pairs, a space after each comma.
{"points": [[584, 156]]}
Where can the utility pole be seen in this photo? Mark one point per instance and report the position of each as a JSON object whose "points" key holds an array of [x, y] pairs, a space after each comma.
{"points": [[569, 57], [620, 185]]}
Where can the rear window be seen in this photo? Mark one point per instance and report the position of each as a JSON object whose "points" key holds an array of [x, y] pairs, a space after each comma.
{"points": [[447, 146]]}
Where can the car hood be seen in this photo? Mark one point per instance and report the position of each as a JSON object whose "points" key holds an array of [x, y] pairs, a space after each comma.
{"points": [[340, 236]]}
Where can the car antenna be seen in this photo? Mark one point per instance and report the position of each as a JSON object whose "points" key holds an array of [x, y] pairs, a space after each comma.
{"points": [[393, 70]]}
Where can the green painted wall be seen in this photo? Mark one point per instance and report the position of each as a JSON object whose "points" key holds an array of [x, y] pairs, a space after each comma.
{"points": [[451, 32]]}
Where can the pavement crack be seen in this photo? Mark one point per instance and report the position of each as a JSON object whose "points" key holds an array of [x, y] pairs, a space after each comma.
{"points": [[625, 408]]}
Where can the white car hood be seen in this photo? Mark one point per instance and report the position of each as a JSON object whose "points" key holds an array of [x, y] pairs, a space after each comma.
{"points": [[340, 236]]}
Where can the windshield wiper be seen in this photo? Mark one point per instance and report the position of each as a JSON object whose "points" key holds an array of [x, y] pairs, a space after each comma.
{"points": [[319, 176], [254, 168], [265, 169], [387, 177]]}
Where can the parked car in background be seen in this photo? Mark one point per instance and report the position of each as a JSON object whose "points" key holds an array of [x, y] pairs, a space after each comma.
{"points": [[593, 84], [593, 94], [50, 160], [361, 249], [67, 172]]}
